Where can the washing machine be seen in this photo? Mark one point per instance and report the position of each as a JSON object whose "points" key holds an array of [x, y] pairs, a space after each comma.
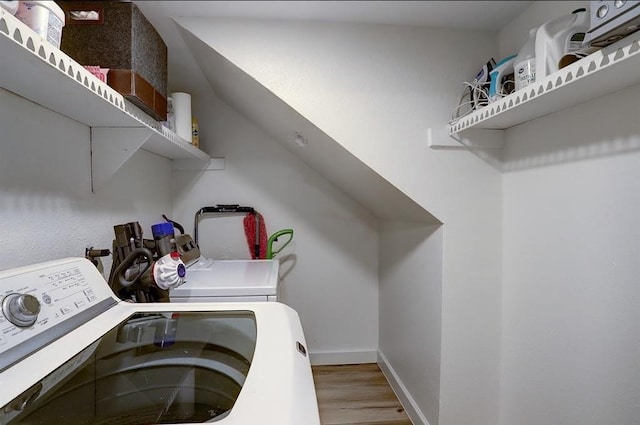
{"points": [[72, 353]]}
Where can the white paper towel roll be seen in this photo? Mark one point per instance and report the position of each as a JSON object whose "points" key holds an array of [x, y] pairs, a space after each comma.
{"points": [[182, 111]]}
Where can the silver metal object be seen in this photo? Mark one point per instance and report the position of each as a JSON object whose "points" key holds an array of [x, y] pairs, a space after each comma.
{"points": [[21, 309], [612, 21]]}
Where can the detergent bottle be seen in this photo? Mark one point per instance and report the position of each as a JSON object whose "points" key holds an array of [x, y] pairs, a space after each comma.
{"points": [[559, 37], [524, 65]]}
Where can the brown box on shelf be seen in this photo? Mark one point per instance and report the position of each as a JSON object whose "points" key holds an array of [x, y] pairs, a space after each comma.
{"points": [[116, 35]]}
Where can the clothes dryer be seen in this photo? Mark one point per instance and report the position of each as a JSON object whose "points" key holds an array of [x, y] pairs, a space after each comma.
{"points": [[210, 280]]}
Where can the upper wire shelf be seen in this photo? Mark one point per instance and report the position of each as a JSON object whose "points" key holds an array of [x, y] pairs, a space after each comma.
{"points": [[33, 68], [607, 70]]}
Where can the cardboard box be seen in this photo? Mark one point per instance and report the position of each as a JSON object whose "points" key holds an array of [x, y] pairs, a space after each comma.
{"points": [[116, 35]]}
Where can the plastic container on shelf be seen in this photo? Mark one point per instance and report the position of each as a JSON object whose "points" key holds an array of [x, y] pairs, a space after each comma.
{"points": [[181, 106], [557, 38], [10, 6], [524, 66], [44, 17]]}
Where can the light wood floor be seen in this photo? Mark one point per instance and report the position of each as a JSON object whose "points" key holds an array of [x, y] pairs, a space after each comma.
{"points": [[356, 395]]}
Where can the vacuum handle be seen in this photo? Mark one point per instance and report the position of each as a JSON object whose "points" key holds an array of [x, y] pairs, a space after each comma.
{"points": [[226, 208], [219, 208], [274, 238]]}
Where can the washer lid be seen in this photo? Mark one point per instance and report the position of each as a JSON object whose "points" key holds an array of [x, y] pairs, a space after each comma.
{"points": [[170, 367], [230, 278]]}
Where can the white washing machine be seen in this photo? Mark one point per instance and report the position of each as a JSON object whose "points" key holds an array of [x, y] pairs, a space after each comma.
{"points": [[72, 353], [209, 280]]}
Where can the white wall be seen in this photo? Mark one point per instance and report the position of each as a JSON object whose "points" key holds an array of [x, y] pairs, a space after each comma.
{"points": [[571, 328], [329, 271], [47, 209], [571, 331], [376, 89], [411, 300]]}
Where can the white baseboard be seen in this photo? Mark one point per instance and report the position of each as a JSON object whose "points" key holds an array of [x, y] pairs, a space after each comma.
{"points": [[342, 357], [409, 404]]}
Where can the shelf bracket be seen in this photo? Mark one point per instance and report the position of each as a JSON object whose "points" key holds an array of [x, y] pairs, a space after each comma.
{"points": [[211, 164], [111, 147], [471, 139]]}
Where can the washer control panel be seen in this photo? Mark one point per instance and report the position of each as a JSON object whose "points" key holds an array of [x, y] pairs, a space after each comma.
{"points": [[37, 298], [21, 309]]}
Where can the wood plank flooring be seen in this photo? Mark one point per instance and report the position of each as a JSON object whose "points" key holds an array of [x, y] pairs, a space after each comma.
{"points": [[356, 395]]}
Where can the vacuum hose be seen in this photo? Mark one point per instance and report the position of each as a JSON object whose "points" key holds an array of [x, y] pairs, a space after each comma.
{"points": [[120, 271], [151, 280]]}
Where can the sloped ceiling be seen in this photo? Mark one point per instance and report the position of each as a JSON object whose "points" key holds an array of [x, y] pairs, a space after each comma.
{"points": [[478, 15], [243, 93]]}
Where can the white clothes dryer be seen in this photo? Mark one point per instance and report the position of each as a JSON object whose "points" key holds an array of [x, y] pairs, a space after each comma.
{"points": [[209, 280], [73, 353]]}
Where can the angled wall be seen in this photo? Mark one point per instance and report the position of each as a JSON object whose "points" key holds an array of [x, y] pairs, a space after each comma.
{"points": [[329, 271], [375, 90]]}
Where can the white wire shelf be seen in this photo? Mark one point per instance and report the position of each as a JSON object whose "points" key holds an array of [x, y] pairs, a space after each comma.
{"points": [[34, 69], [610, 69]]}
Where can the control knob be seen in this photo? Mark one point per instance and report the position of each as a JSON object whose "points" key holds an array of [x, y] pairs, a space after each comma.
{"points": [[21, 309]]}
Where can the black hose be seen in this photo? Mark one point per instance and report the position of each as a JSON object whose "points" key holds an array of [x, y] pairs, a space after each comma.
{"points": [[176, 225], [126, 263]]}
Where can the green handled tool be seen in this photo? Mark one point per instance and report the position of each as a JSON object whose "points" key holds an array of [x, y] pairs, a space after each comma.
{"points": [[274, 238]]}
